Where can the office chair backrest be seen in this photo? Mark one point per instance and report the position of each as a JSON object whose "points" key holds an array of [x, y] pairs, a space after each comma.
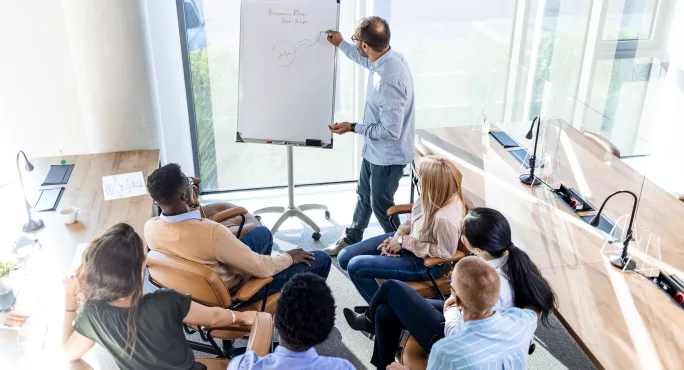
{"points": [[187, 277], [602, 142]]}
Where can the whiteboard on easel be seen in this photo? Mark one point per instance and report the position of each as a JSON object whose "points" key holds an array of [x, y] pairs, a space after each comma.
{"points": [[287, 72]]}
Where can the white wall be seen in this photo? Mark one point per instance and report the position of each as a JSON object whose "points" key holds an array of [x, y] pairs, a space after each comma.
{"points": [[39, 104], [170, 81], [78, 75]]}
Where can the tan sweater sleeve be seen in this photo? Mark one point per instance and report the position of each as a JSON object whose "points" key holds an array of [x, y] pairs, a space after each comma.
{"points": [[232, 252], [447, 236]]}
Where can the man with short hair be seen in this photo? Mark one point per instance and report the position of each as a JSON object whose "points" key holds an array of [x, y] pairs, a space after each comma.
{"points": [[183, 232], [503, 338], [388, 126], [304, 318]]}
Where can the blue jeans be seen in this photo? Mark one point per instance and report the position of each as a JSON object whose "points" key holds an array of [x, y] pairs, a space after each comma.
{"points": [[375, 189], [260, 241], [364, 264]]}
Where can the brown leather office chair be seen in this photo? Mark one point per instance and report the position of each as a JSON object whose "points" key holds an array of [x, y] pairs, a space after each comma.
{"points": [[420, 152], [260, 341], [414, 356], [601, 141], [436, 287], [206, 287]]}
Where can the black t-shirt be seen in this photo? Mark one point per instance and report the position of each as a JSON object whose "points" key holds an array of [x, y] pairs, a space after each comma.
{"points": [[160, 340]]}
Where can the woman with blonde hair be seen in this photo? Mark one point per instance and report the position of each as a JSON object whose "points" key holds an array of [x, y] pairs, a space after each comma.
{"points": [[433, 230]]}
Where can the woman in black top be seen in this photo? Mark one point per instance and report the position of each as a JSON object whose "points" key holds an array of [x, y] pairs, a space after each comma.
{"points": [[106, 304]]}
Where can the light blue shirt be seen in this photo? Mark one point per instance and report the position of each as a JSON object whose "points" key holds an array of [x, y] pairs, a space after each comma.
{"points": [[389, 123], [500, 341], [192, 215], [283, 358]]}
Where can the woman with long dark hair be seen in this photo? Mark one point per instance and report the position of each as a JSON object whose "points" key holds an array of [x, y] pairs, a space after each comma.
{"points": [[106, 303], [487, 234]]}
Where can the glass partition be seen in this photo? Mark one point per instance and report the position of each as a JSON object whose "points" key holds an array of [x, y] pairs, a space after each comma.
{"points": [[569, 154]]}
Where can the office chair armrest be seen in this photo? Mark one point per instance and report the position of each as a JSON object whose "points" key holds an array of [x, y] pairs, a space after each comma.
{"points": [[252, 287], [228, 214], [399, 209], [261, 336], [434, 261]]}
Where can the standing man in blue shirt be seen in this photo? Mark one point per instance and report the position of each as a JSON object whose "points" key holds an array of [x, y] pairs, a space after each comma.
{"points": [[388, 125]]}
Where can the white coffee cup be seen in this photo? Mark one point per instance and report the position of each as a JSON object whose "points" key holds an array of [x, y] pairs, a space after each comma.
{"points": [[69, 214]]}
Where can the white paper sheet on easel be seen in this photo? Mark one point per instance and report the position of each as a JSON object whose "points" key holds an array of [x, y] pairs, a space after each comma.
{"points": [[123, 186]]}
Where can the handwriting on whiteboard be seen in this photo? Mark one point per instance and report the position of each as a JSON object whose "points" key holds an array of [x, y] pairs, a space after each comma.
{"points": [[284, 51], [291, 17]]}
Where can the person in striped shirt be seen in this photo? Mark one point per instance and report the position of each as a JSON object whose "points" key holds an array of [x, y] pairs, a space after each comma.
{"points": [[488, 339]]}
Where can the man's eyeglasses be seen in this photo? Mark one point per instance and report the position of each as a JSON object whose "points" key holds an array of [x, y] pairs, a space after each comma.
{"points": [[355, 39]]}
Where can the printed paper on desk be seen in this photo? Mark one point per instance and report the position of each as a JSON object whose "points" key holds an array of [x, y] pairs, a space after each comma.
{"points": [[123, 186]]}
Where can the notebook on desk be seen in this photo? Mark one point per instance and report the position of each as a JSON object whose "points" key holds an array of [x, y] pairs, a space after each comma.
{"points": [[58, 175], [48, 199], [504, 139]]}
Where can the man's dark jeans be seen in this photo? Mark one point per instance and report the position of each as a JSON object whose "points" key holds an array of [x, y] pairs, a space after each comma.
{"points": [[375, 189], [260, 241], [395, 307]]}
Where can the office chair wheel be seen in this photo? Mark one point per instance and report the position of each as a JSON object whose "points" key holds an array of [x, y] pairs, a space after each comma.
{"points": [[316, 236], [327, 215], [532, 348]]}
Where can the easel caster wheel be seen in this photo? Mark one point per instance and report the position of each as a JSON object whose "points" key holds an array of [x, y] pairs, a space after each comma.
{"points": [[327, 215], [316, 236]]}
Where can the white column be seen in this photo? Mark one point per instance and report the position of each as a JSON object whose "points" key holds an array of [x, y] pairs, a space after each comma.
{"points": [[114, 73]]}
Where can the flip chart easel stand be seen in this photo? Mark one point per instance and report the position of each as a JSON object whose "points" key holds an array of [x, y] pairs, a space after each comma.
{"points": [[292, 211]]}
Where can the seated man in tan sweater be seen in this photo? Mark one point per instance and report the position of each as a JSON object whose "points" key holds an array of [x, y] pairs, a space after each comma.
{"points": [[185, 233]]}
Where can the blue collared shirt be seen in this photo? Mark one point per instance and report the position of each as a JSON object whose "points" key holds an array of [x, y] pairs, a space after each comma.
{"points": [[283, 358], [389, 122], [192, 215], [500, 341]]}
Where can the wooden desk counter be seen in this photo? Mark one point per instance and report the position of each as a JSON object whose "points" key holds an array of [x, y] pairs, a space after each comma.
{"points": [[621, 320], [38, 343]]}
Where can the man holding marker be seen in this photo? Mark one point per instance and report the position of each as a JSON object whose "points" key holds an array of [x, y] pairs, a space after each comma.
{"points": [[388, 125]]}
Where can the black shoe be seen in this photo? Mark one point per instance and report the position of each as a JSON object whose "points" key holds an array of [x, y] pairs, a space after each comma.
{"points": [[358, 322], [360, 309]]}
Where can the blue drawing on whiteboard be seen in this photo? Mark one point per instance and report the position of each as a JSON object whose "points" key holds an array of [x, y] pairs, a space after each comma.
{"points": [[284, 51]]}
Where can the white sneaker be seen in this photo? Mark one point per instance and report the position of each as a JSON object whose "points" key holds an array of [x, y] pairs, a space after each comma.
{"points": [[334, 249]]}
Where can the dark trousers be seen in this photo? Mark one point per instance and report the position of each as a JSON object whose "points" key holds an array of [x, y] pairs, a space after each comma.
{"points": [[396, 307], [375, 189], [260, 241]]}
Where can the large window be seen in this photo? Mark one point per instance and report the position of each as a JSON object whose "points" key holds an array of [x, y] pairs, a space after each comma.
{"points": [[213, 37], [458, 54], [498, 60]]}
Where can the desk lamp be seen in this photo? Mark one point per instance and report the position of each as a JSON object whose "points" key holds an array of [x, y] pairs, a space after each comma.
{"points": [[31, 224], [622, 261], [531, 179]]}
